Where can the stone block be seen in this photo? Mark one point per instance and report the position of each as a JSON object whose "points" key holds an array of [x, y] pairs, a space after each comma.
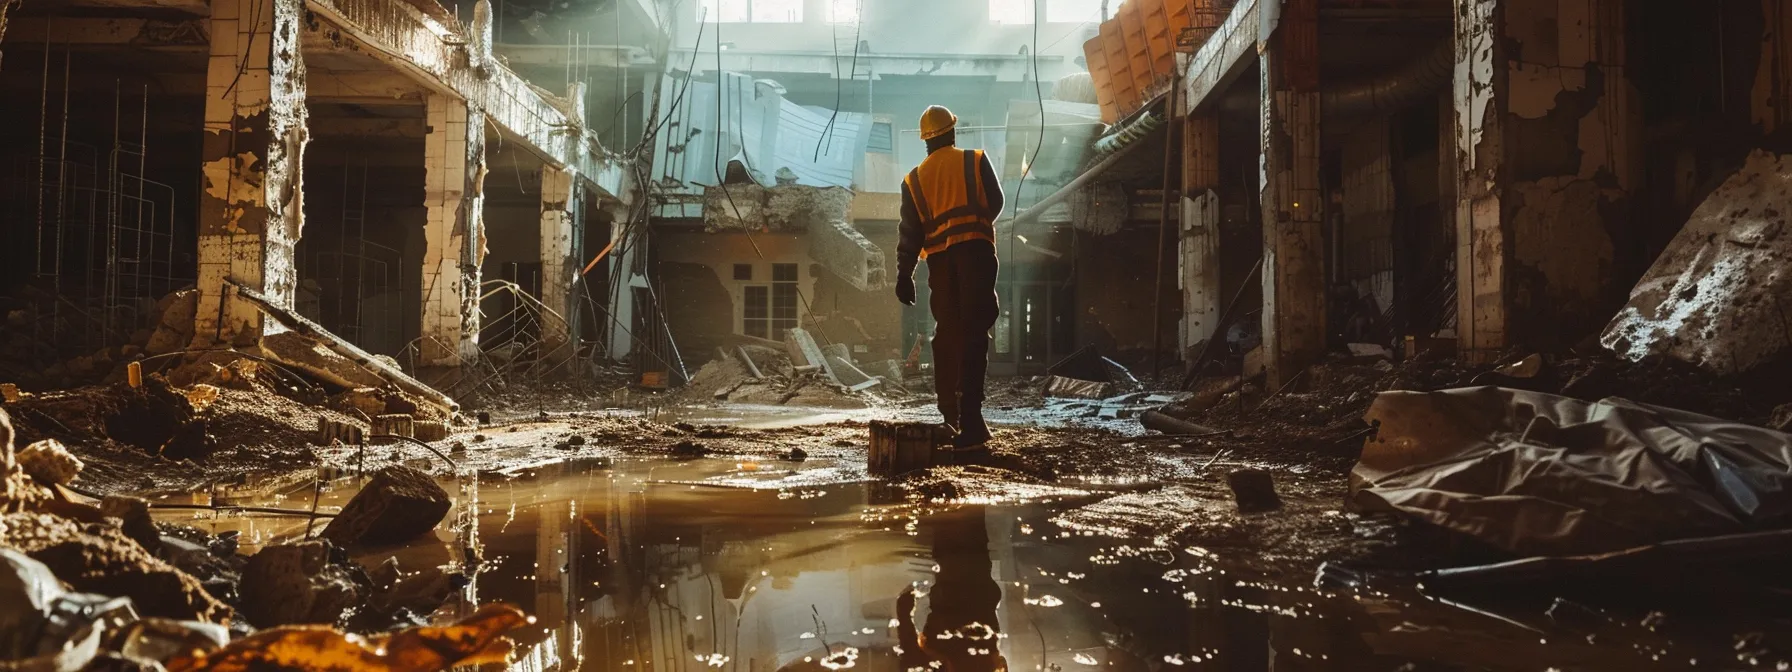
{"points": [[399, 504]]}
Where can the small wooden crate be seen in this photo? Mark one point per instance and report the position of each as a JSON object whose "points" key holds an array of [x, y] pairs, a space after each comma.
{"points": [[900, 447], [395, 424]]}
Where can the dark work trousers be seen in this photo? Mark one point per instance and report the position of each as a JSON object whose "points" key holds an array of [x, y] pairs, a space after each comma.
{"points": [[962, 280]]}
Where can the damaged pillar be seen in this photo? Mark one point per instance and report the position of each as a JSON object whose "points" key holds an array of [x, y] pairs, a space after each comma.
{"points": [[250, 209], [1199, 246], [1293, 240], [1547, 151], [454, 232], [560, 248]]}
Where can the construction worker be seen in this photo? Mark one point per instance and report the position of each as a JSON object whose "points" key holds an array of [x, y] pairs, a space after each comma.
{"points": [[949, 207]]}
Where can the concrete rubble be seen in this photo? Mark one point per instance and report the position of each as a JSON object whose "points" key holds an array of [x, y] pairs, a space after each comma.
{"points": [[1715, 297]]}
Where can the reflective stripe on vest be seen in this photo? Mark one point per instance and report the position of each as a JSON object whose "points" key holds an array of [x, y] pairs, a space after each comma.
{"points": [[948, 192]]}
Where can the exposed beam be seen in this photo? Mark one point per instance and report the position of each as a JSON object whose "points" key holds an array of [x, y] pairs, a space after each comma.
{"points": [[596, 55], [1004, 68], [190, 35], [1225, 56], [195, 7], [459, 65]]}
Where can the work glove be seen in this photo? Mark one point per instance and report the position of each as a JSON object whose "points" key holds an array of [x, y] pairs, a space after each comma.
{"points": [[905, 290]]}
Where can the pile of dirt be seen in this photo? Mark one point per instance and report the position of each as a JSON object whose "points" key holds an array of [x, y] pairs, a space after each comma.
{"points": [[161, 435]]}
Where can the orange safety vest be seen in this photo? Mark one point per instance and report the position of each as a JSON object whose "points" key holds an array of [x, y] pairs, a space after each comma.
{"points": [[948, 192]]}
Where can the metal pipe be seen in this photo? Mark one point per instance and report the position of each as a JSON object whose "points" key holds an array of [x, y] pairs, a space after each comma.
{"points": [[1083, 180], [1389, 92]]}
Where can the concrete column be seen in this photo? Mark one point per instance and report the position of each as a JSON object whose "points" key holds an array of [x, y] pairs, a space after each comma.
{"points": [[454, 233], [1199, 251], [560, 232], [1547, 152], [250, 210], [622, 296], [1293, 240], [1199, 246]]}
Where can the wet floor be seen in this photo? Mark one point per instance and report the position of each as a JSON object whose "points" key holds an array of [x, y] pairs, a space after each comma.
{"points": [[721, 565]]}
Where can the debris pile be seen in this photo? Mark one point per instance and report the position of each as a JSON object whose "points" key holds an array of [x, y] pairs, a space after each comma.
{"points": [[1319, 416], [805, 374], [162, 596]]}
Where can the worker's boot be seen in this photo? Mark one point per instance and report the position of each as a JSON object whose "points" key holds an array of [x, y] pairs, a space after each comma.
{"points": [[973, 433]]}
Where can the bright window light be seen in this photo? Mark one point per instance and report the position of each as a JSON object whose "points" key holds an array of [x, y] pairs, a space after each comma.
{"points": [[751, 11], [1011, 11], [1056, 11], [1076, 11]]}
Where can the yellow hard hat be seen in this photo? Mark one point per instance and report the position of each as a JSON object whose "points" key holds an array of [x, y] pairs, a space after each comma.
{"points": [[936, 121]]}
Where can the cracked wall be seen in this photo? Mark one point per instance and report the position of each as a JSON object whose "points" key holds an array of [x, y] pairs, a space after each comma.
{"points": [[1548, 128], [251, 206]]}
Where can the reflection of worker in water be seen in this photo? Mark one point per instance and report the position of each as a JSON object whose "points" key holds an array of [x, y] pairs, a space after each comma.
{"points": [[961, 608], [949, 206]]}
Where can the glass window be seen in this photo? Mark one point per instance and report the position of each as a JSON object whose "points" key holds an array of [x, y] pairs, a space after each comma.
{"points": [[883, 138], [743, 271], [756, 313], [783, 272]]}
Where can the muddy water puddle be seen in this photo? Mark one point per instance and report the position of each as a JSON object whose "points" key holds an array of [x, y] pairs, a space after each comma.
{"points": [[727, 565]]}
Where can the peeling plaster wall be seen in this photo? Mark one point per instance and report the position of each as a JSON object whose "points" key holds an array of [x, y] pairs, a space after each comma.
{"points": [[1549, 131], [454, 235], [251, 207]]}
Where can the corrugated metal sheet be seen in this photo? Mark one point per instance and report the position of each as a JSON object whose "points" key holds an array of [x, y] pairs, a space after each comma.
{"points": [[755, 125]]}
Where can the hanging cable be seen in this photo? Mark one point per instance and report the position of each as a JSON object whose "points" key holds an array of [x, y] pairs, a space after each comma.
{"points": [[857, 34], [1039, 144]]}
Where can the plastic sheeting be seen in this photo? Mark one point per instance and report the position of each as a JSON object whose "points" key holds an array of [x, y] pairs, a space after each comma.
{"points": [[1540, 474]]}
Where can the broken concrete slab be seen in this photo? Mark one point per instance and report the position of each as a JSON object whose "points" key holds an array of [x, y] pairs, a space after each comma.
{"points": [[1071, 388], [1716, 297], [313, 359], [399, 504], [840, 248], [805, 352], [781, 209]]}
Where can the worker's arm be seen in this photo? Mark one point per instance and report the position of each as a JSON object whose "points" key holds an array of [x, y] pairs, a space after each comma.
{"points": [[992, 188], [908, 248], [908, 244]]}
